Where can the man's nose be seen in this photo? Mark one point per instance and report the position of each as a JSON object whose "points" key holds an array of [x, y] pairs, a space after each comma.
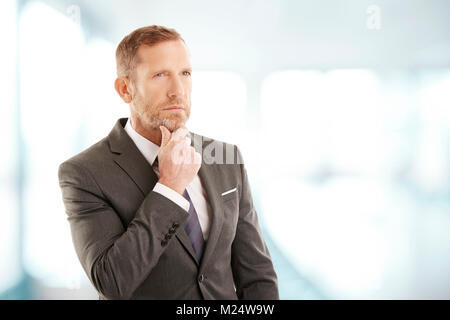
{"points": [[176, 89]]}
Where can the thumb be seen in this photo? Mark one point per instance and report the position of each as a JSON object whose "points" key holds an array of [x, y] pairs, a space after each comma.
{"points": [[165, 135]]}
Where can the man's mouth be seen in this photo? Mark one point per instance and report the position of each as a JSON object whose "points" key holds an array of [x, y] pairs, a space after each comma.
{"points": [[174, 107]]}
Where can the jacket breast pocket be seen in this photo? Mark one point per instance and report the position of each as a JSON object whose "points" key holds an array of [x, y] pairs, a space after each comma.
{"points": [[230, 201], [231, 194], [230, 205]]}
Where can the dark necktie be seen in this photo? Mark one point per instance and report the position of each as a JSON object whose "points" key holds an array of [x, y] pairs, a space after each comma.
{"points": [[192, 225], [193, 229]]}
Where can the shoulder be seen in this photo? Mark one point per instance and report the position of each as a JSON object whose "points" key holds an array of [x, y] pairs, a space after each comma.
{"points": [[87, 160]]}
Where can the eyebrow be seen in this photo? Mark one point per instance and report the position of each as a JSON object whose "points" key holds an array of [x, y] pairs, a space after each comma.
{"points": [[165, 70]]}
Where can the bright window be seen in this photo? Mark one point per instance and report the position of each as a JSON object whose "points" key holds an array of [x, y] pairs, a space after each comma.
{"points": [[361, 178]]}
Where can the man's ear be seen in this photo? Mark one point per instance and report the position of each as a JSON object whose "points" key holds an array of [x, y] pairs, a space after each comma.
{"points": [[124, 89]]}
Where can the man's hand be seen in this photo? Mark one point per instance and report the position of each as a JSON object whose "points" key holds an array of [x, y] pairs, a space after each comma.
{"points": [[178, 161]]}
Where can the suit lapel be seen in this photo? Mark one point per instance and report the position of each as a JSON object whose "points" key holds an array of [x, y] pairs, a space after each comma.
{"points": [[184, 239], [130, 159], [207, 174]]}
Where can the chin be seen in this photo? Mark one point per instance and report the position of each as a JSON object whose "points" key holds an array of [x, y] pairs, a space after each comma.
{"points": [[176, 127], [172, 124]]}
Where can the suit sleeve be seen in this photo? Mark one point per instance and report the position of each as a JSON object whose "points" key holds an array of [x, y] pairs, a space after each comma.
{"points": [[116, 259], [253, 271]]}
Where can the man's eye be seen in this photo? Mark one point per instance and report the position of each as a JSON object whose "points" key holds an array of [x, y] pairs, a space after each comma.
{"points": [[186, 73], [159, 74]]}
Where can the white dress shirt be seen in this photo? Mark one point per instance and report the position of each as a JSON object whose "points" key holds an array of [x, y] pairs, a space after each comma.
{"points": [[195, 189]]}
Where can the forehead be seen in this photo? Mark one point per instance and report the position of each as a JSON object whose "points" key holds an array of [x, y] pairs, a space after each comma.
{"points": [[166, 54]]}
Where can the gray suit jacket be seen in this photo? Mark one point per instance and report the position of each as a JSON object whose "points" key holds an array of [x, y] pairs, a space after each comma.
{"points": [[131, 242]]}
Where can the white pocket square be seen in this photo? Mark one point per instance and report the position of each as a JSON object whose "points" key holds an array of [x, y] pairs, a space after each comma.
{"points": [[229, 191]]}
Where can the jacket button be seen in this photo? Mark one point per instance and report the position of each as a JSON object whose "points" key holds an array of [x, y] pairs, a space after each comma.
{"points": [[201, 278], [172, 230], [163, 242], [168, 236]]}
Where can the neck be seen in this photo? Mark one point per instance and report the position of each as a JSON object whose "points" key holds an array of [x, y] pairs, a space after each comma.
{"points": [[152, 134]]}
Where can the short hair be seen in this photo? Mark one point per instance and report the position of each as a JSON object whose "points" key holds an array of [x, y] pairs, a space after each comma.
{"points": [[128, 47]]}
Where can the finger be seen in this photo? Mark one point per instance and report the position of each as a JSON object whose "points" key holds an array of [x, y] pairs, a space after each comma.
{"points": [[188, 141], [178, 150], [179, 142], [197, 158], [190, 155], [180, 132], [194, 156], [165, 135]]}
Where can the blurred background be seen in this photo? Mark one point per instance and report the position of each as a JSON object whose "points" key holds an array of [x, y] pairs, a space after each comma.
{"points": [[341, 110]]}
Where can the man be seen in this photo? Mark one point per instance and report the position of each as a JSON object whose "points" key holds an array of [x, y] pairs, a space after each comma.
{"points": [[150, 217]]}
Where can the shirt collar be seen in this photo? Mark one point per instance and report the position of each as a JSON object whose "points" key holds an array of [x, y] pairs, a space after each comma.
{"points": [[148, 149]]}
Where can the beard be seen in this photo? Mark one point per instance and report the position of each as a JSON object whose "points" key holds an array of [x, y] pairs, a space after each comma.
{"points": [[154, 116]]}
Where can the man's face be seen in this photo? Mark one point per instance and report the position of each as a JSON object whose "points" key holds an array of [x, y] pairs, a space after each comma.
{"points": [[162, 85]]}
